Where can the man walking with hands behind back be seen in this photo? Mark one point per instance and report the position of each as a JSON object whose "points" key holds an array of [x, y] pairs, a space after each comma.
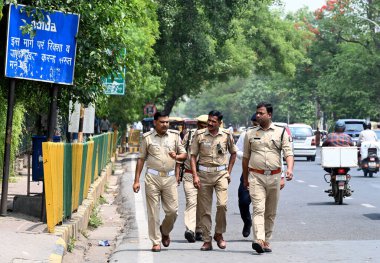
{"points": [[211, 146], [262, 173], [160, 148], [191, 216]]}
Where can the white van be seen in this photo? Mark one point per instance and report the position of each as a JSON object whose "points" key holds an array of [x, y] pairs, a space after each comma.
{"points": [[303, 141]]}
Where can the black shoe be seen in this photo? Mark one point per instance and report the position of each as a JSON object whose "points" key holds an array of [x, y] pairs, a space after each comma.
{"points": [[198, 236], [189, 235], [258, 246], [247, 229]]}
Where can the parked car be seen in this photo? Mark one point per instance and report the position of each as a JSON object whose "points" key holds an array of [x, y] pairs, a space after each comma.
{"points": [[303, 141], [353, 128]]}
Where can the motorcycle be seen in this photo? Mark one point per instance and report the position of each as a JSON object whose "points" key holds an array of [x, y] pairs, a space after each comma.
{"points": [[370, 152], [339, 183]]}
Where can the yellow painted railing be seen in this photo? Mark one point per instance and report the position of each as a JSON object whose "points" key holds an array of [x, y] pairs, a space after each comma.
{"points": [[69, 171]]}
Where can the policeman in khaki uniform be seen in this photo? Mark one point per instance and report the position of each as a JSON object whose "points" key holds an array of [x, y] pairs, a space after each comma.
{"points": [[262, 173], [160, 148], [191, 217], [210, 147]]}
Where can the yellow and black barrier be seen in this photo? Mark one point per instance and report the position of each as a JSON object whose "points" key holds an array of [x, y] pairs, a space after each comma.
{"points": [[69, 171]]}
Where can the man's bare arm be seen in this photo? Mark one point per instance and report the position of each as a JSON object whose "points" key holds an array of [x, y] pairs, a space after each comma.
{"points": [[193, 163], [139, 167]]}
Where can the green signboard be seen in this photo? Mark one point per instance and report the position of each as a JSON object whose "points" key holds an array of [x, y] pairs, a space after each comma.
{"points": [[115, 86]]}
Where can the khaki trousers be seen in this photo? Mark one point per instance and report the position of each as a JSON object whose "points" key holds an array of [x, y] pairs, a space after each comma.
{"points": [[265, 192], [192, 217], [209, 182], [165, 189]]}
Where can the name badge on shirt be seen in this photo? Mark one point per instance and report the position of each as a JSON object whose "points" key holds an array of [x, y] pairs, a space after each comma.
{"points": [[206, 144]]}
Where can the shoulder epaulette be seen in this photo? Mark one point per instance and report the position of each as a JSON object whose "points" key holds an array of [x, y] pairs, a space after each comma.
{"points": [[148, 133], [201, 131], [173, 131], [279, 126]]}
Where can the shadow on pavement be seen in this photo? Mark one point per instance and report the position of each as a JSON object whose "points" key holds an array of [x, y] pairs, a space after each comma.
{"points": [[373, 216]]}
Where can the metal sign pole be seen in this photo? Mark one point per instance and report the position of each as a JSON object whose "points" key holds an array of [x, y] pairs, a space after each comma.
{"points": [[7, 148], [51, 127], [53, 112]]}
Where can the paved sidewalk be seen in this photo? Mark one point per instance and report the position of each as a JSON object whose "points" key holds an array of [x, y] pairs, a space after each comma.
{"points": [[25, 238], [86, 245]]}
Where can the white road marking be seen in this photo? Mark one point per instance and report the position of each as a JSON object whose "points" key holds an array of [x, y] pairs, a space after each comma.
{"points": [[314, 186], [142, 223], [368, 206], [300, 181]]}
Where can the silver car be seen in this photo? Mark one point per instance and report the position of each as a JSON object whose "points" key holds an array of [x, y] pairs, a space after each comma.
{"points": [[303, 141]]}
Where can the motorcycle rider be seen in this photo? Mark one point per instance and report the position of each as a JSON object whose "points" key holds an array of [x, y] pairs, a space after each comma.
{"points": [[367, 135], [338, 137]]}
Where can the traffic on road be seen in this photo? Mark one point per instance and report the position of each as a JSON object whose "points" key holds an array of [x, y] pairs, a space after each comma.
{"points": [[310, 225]]}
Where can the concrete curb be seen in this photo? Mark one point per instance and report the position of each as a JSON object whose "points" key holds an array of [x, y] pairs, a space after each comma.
{"points": [[79, 219]]}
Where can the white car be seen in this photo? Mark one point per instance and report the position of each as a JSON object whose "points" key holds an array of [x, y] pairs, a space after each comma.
{"points": [[303, 141]]}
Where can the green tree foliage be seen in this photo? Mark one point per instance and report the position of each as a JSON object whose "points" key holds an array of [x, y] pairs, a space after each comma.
{"points": [[198, 45], [106, 29], [18, 117], [206, 42], [342, 78]]}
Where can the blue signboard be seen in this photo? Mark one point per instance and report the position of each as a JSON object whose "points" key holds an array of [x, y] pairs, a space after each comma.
{"points": [[49, 56]]}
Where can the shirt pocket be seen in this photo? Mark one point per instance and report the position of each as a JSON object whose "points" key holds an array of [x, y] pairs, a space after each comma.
{"points": [[170, 147], [155, 149], [256, 144], [205, 147], [223, 148]]}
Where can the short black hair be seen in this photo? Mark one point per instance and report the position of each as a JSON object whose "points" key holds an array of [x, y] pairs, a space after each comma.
{"points": [[159, 114], [267, 105], [217, 114]]}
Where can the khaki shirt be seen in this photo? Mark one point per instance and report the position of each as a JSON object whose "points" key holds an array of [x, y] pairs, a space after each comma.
{"points": [[155, 150], [204, 146], [263, 147], [184, 143]]}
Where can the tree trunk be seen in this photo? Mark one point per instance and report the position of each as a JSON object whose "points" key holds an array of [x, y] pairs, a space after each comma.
{"points": [[169, 104]]}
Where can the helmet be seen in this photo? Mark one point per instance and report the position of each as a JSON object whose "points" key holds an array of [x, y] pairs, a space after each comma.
{"points": [[340, 125]]}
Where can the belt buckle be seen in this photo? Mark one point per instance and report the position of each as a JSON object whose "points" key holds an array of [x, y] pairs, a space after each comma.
{"points": [[267, 172], [162, 174]]}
